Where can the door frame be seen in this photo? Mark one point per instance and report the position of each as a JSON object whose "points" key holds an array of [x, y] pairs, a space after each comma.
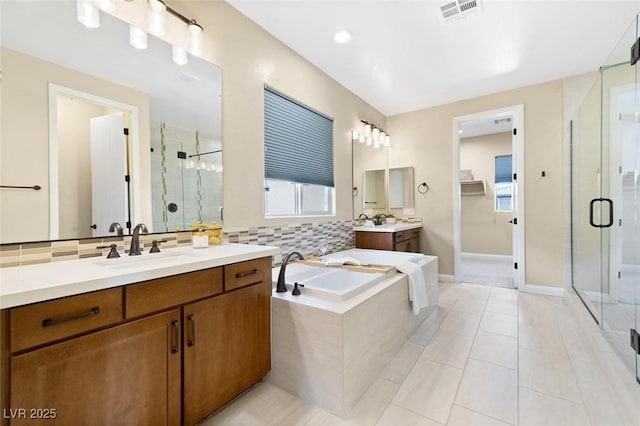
{"points": [[517, 113], [56, 90], [616, 149]]}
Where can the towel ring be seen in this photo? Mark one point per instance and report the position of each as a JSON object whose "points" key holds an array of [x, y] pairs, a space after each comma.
{"points": [[423, 188], [355, 191]]}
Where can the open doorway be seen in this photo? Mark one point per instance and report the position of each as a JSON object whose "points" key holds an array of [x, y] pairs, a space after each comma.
{"points": [[93, 143], [488, 204]]}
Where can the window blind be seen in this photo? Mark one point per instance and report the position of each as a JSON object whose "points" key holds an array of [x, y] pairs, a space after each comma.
{"points": [[503, 168], [298, 141]]}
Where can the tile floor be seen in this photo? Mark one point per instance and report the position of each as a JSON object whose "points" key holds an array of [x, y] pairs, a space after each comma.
{"points": [[495, 272], [486, 356]]}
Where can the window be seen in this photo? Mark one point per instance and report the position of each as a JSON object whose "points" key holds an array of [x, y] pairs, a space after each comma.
{"points": [[298, 149], [503, 188]]}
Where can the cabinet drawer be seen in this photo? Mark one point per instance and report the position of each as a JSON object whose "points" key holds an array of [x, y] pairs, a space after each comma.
{"points": [[406, 235], [44, 322], [246, 273], [399, 236], [155, 295]]}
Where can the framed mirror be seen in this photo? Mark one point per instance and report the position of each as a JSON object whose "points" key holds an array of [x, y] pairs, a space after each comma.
{"points": [[58, 78], [401, 184], [375, 190]]}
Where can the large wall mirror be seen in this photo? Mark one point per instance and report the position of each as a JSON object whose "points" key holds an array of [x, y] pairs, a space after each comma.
{"points": [[68, 93], [378, 187], [401, 187]]}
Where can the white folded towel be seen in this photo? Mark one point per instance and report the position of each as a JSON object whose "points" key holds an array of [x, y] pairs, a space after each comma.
{"points": [[417, 288]]}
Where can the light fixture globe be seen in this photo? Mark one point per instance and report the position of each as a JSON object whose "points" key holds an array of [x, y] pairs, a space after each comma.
{"points": [[195, 38], [137, 37], [157, 18], [179, 55], [88, 14]]}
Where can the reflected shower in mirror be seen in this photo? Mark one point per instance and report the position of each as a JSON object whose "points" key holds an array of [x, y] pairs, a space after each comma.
{"points": [[54, 65], [401, 185], [375, 195]]}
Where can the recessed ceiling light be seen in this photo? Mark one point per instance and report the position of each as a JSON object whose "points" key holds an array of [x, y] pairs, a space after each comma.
{"points": [[342, 36]]}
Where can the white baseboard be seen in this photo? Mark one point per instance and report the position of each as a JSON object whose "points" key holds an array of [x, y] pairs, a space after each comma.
{"points": [[627, 267], [594, 296], [542, 289], [444, 278], [487, 257]]}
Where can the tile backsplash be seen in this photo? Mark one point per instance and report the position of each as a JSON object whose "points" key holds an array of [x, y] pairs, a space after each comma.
{"points": [[302, 237]]}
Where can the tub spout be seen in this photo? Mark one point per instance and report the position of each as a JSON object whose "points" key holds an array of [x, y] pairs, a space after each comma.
{"points": [[282, 287]]}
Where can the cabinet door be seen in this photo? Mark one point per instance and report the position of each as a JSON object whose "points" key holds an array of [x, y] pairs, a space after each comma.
{"points": [[128, 374], [224, 348], [412, 245]]}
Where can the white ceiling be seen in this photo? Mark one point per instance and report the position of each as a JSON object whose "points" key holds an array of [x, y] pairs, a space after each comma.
{"points": [[404, 57]]}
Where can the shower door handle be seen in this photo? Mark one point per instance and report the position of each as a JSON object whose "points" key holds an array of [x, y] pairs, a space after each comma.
{"points": [[592, 204]]}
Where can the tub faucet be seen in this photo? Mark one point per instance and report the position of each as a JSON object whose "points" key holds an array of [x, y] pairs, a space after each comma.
{"points": [[282, 287], [134, 250]]}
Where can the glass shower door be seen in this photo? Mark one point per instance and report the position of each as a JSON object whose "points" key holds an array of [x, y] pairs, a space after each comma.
{"points": [[588, 261], [605, 158]]}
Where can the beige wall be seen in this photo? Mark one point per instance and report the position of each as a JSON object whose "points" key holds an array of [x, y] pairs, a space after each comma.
{"points": [[251, 58], [483, 229], [424, 139], [24, 151]]}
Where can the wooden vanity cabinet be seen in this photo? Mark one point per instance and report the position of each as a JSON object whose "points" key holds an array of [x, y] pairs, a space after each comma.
{"points": [[166, 359], [407, 241], [227, 344], [128, 374]]}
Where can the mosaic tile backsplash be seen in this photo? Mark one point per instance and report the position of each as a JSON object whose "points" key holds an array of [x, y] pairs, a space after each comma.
{"points": [[295, 237]]}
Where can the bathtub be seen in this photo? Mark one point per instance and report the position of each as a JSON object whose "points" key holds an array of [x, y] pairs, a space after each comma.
{"points": [[338, 285], [332, 342]]}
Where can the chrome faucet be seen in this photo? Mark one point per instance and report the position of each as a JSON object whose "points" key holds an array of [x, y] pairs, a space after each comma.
{"points": [[134, 250], [282, 287], [116, 227]]}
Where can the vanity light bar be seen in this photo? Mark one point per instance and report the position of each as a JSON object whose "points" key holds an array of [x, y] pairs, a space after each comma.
{"points": [[89, 15], [371, 135]]}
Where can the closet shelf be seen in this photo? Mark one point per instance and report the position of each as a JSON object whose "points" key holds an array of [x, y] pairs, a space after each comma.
{"points": [[472, 187]]}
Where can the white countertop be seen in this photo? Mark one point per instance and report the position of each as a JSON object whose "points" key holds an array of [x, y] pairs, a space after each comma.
{"points": [[21, 285], [395, 227]]}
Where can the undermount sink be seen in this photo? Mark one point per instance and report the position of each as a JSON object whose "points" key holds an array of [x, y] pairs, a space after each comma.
{"points": [[147, 259]]}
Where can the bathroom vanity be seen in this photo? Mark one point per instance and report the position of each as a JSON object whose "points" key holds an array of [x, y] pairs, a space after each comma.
{"points": [[393, 237], [142, 340]]}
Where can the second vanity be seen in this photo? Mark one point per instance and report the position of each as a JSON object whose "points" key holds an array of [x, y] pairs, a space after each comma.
{"points": [[394, 237], [145, 340]]}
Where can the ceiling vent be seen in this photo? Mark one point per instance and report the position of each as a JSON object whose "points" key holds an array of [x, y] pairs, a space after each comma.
{"points": [[458, 9]]}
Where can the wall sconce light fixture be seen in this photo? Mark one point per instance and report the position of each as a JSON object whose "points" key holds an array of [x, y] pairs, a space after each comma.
{"points": [[89, 16], [371, 135]]}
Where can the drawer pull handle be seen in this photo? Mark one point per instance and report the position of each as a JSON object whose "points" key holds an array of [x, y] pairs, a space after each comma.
{"points": [[51, 322], [192, 331], [246, 273], [176, 336]]}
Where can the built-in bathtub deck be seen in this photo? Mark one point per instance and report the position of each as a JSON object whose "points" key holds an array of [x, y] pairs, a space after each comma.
{"points": [[330, 344]]}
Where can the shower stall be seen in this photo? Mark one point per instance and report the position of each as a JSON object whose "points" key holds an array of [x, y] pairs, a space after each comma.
{"points": [[186, 178], [605, 196]]}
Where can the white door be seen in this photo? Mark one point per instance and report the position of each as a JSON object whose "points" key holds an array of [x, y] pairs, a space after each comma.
{"points": [[108, 173]]}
